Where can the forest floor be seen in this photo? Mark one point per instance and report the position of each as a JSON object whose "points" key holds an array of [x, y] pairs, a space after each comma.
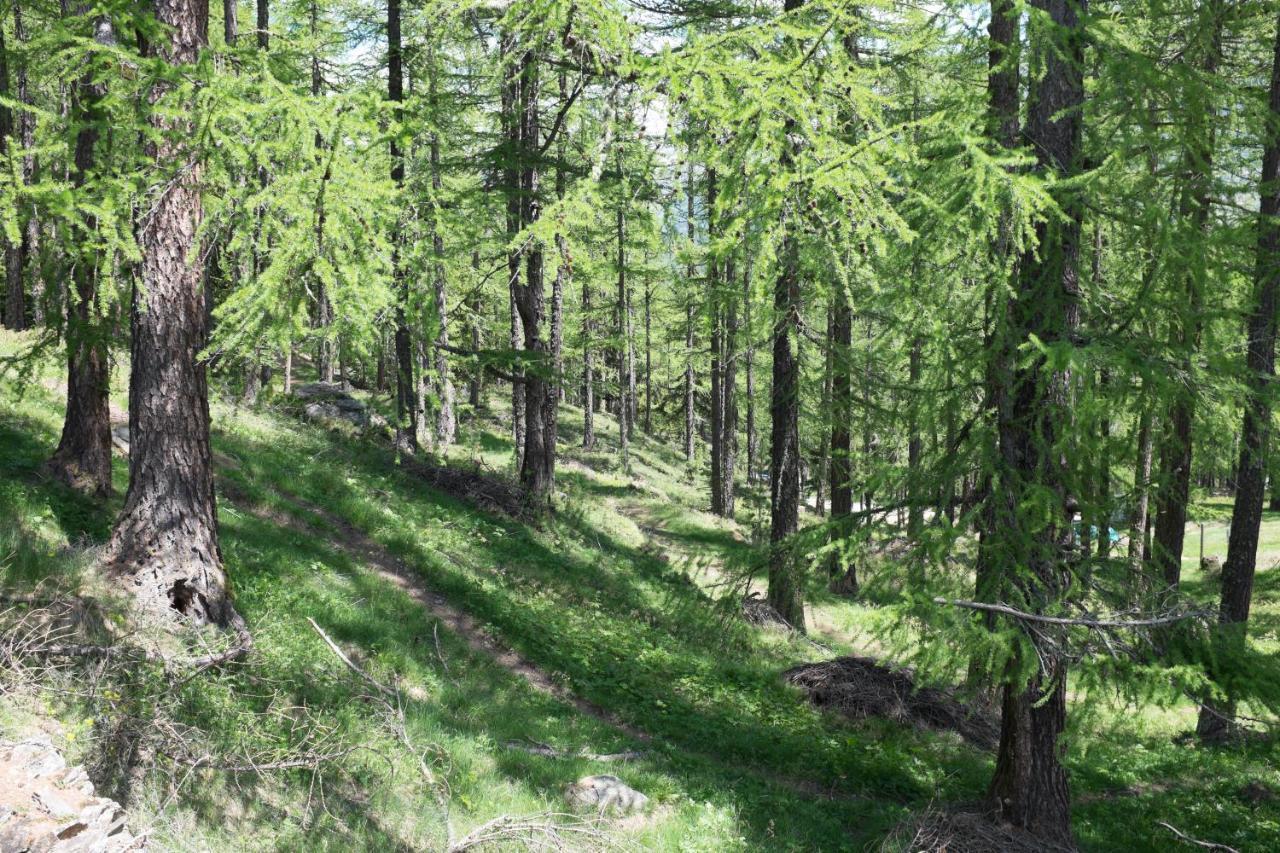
{"points": [[609, 628]]}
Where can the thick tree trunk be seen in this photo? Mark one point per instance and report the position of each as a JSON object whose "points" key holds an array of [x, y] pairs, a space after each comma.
{"points": [[1187, 323], [1029, 787], [83, 456], [1216, 718], [165, 544], [822, 478]]}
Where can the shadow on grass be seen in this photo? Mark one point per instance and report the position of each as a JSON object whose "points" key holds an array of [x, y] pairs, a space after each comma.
{"points": [[630, 635]]}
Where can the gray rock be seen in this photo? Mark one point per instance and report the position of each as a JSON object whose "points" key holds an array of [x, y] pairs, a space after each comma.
{"points": [[50, 807], [604, 793], [319, 391]]}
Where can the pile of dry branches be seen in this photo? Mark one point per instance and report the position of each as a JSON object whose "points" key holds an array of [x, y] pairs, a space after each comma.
{"points": [[859, 687], [938, 831]]}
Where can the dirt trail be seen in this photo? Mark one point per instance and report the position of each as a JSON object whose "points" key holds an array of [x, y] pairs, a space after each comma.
{"points": [[366, 552], [352, 541]]}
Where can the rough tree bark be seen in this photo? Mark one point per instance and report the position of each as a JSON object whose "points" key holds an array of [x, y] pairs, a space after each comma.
{"points": [[785, 593], [1216, 718], [83, 456], [165, 544], [1029, 788], [537, 468]]}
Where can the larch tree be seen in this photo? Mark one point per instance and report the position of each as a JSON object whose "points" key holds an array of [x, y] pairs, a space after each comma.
{"points": [[83, 456], [165, 543], [1216, 718], [785, 585], [1029, 788]]}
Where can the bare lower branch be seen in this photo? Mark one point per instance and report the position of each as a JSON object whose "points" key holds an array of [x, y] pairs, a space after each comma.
{"points": [[1004, 609]]}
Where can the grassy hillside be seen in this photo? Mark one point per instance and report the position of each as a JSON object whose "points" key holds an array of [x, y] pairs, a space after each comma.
{"points": [[607, 628]]}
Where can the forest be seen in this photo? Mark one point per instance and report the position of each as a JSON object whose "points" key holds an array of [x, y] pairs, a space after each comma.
{"points": [[639, 424]]}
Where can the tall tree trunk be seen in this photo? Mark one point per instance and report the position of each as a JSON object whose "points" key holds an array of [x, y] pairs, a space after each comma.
{"points": [[624, 404], [83, 456], [324, 308], [715, 308], [648, 359], [915, 510], [537, 469], [446, 422], [1003, 62], [588, 370], [264, 25], [1216, 718], [688, 330], [230, 24], [406, 393], [165, 544], [512, 126], [1029, 788], [841, 444], [728, 389], [15, 309], [31, 279], [822, 478], [1142, 495], [1186, 323], [750, 354], [786, 588], [475, 376]]}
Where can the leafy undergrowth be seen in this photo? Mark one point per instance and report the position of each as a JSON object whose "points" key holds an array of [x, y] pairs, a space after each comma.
{"points": [[615, 597]]}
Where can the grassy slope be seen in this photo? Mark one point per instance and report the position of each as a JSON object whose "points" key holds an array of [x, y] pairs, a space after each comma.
{"points": [[611, 597]]}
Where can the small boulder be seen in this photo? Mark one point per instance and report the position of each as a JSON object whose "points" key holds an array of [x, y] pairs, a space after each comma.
{"points": [[604, 793]]}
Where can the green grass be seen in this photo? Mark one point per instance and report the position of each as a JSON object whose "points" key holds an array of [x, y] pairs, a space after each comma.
{"points": [[615, 597]]}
